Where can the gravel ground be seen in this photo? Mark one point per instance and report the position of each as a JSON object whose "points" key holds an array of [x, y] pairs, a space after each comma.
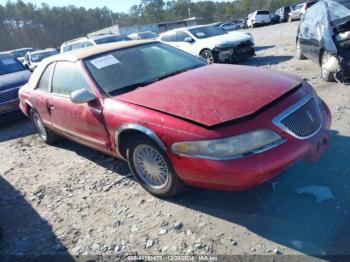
{"points": [[67, 199]]}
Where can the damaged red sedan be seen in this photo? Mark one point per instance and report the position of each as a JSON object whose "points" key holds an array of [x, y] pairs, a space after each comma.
{"points": [[175, 119]]}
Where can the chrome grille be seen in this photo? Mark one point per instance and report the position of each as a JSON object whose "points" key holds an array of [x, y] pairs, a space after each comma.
{"points": [[8, 95], [302, 120]]}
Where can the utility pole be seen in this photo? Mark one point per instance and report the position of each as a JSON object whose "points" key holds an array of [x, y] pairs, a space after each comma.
{"points": [[110, 14], [189, 12]]}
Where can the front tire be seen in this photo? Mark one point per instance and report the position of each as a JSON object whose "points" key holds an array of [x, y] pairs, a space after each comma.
{"points": [[326, 75], [44, 133], [299, 54], [152, 168], [208, 56]]}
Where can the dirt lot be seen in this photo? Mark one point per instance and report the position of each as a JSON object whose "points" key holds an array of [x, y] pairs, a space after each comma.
{"points": [[69, 199]]}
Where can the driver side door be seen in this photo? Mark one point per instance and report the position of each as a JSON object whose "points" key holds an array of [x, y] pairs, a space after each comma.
{"points": [[184, 45], [83, 123]]}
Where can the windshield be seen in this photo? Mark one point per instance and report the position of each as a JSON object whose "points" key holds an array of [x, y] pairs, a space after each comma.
{"points": [[207, 31], [10, 65], [20, 53], [123, 70], [111, 39], [38, 57], [339, 12]]}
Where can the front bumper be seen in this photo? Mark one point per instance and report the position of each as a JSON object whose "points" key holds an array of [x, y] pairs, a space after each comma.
{"points": [[236, 53], [342, 74], [253, 170]]}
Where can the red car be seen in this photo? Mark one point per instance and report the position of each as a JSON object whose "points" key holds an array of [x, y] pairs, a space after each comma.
{"points": [[175, 119]]}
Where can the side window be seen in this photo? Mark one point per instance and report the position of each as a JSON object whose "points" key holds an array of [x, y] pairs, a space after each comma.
{"points": [[170, 37], [45, 79], [67, 78], [88, 43], [76, 45], [181, 36], [67, 48]]}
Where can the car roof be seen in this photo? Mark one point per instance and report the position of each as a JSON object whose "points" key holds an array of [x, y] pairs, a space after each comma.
{"points": [[82, 53], [5, 55], [43, 51], [95, 37]]}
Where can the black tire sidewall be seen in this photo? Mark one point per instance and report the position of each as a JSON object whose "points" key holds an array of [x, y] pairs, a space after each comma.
{"points": [[329, 77], [173, 181], [209, 52], [51, 137]]}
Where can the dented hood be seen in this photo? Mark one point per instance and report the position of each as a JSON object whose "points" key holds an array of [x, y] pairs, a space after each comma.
{"points": [[213, 94]]}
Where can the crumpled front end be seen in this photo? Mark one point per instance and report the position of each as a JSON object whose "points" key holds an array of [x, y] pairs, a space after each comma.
{"points": [[229, 54]]}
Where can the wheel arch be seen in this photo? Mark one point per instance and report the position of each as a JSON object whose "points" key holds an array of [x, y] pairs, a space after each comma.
{"points": [[28, 108], [126, 131]]}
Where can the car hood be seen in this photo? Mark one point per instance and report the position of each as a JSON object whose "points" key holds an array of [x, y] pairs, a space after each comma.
{"points": [[213, 94], [232, 38], [15, 79]]}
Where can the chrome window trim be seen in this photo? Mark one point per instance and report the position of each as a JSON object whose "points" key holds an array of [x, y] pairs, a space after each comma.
{"points": [[235, 157], [136, 127], [278, 119], [10, 89]]}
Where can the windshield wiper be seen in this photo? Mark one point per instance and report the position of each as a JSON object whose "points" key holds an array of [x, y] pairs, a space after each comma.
{"points": [[177, 72], [131, 87], [134, 86]]}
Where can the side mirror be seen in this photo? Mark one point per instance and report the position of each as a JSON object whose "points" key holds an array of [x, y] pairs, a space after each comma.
{"points": [[189, 40], [82, 96]]}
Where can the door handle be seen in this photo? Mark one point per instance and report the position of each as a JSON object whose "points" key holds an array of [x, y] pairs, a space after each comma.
{"points": [[50, 107]]}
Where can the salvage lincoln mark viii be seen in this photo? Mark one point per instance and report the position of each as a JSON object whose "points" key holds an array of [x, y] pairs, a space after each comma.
{"points": [[175, 119]]}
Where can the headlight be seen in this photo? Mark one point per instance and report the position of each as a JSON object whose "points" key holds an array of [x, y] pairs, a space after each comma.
{"points": [[343, 39], [231, 147]]}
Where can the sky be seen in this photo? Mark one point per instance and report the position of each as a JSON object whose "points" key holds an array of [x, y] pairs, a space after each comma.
{"points": [[115, 5]]}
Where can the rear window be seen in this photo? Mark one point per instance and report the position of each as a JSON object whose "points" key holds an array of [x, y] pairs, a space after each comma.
{"points": [[310, 3], [263, 13], [111, 39], [10, 65]]}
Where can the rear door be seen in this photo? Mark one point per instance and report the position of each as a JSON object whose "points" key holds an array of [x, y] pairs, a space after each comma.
{"points": [[83, 123]]}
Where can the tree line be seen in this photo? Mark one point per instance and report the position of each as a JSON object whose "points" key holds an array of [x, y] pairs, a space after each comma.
{"points": [[27, 25]]}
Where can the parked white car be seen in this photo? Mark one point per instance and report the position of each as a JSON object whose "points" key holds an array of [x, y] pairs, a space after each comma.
{"points": [[83, 42], [258, 18], [212, 43], [32, 59]]}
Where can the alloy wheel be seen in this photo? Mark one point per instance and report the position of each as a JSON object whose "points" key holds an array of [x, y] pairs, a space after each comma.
{"points": [[39, 126], [208, 56], [150, 166]]}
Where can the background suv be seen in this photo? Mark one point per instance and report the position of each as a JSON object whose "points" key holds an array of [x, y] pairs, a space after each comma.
{"points": [[257, 18]]}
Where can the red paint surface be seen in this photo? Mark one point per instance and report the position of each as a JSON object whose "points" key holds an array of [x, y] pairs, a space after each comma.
{"points": [[207, 95], [213, 94]]}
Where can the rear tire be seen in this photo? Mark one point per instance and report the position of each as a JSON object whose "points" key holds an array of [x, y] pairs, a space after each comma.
{"points": [[152, 168], [44, 133], [326, 75]]}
